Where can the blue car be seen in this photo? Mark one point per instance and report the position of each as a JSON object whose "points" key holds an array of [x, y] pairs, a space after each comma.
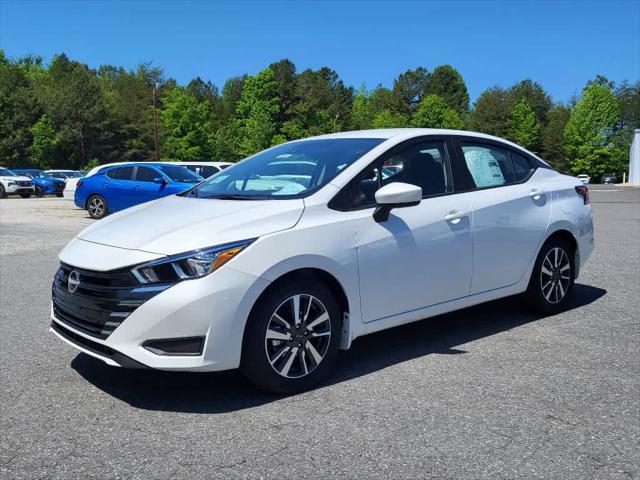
{"points": [[118, 187], [44, 185]]}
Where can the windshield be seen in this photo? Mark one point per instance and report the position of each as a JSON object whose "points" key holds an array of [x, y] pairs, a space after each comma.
{"points": [[179, 173], [76, 174], [291, 170], [6, 173]]}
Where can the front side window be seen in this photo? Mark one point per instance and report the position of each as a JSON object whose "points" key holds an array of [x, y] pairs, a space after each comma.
{"points": [[178, 173], [291, 170], [146, 174], [488, 165], [424, 164]]}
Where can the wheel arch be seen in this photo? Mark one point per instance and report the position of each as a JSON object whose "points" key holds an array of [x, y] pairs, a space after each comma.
{"points": [[314, 274]]}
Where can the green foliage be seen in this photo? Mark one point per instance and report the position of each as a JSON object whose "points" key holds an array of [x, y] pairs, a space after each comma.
{"points": [[553, 138], [257, 111], [188, 126], [67, 115], [433, 112], [390, 119], [523, 126], [447, 82], [590, 130], [45, 142], [491, 112]]}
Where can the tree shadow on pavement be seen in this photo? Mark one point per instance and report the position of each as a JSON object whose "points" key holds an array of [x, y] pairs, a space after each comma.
{"points": [[219, 392]]}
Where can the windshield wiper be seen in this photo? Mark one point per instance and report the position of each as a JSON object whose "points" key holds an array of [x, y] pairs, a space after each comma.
{"points": [[230, 196]]}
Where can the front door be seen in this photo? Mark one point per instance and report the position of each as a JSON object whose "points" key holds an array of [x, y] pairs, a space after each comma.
{"points": [[421, 255]]}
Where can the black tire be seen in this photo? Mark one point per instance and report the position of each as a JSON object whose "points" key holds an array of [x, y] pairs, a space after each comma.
{"points": [[59, 195], [39, 193], [3, 193], [25, 195], [255, 364], [93, 203], [551, 293]]}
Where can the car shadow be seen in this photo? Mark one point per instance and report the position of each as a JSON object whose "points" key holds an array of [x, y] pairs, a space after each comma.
{"points": [[219, 392]]}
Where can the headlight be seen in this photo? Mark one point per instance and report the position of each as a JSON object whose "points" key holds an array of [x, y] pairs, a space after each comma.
{"points": [[186, 266], [12, 183]]}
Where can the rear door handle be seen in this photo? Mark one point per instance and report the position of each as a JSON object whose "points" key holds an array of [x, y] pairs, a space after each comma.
{"points": [[454, 216], [535, 193]]}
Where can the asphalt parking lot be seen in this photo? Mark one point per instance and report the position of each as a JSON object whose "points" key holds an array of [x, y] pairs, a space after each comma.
{"points": [[489, 392]]}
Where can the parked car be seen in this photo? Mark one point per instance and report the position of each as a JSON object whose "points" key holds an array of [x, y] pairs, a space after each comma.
{"points": [[205, 169], [274, 275], [118, 187], [43, 184], [12, 183], [65, 174], [584, 178], [609, 178]]}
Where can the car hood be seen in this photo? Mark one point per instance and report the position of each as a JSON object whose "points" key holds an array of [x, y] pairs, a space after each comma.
{"points": [[16, 178], [177, 224]]}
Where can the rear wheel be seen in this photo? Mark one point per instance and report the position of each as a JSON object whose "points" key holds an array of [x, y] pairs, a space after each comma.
{"points": [[97, 206], [553, 276], [292, 337], [60, 195], [3, 192], [39, 193]]}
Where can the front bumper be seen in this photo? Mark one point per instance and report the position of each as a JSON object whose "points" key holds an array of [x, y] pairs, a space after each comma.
{"points": [[214, 307], [20, 189]]}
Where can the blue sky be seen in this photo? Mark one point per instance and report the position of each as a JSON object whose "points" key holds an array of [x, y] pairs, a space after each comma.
{"points": [[560, 44]]}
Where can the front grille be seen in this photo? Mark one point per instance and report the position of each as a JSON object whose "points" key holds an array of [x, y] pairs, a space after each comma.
{"points": [[24, 183], [102, 300]]}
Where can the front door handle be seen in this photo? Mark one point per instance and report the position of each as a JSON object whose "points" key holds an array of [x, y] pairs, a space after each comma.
{"points": [[535, 193], [137, 187], [454, 216]]}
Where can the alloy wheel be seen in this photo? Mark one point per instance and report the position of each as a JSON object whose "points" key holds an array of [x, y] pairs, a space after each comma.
{"points": [[96, 207], [298, 336], [555, 275]]}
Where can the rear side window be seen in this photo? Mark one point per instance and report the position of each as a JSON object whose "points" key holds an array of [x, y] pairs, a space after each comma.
{"points": [[146, 174], [521, 166], [488, 165], [122, 173]]}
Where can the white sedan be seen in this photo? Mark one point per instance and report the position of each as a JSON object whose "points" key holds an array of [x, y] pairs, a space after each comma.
{"points": [[272, 266]]}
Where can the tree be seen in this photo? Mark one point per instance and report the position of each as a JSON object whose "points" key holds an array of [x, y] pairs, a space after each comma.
{"points": [[390, 119], [536, 96], [433, 112], [45, 142], [362, 112], [188, 126], [408, 89], [590, 130], [491, 112], [553, 137], [257, 111], [447, 82], [523, 126]]}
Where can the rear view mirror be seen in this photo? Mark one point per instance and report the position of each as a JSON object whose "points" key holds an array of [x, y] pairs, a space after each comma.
{"points": [[395, 195], [159, 180]]}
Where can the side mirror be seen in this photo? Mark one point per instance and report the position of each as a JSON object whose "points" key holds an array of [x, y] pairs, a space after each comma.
{"points": [[159, 180], [395, 195]]}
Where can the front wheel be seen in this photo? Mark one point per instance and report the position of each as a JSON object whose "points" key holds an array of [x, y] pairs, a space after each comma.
{"points": [[292, 336], [25, 195], [59, 195], [3, 192], [553, 277], [97, 207], [39, 192]]}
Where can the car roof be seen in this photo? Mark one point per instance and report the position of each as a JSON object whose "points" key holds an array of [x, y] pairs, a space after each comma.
{"points": [[408, 133]]}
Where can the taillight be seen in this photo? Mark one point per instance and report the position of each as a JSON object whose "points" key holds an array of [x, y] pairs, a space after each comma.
{"points": [[79, 184], [583, 191]]}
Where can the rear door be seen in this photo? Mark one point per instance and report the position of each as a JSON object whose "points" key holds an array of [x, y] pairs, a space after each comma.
{"points": [[510, 211]]}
